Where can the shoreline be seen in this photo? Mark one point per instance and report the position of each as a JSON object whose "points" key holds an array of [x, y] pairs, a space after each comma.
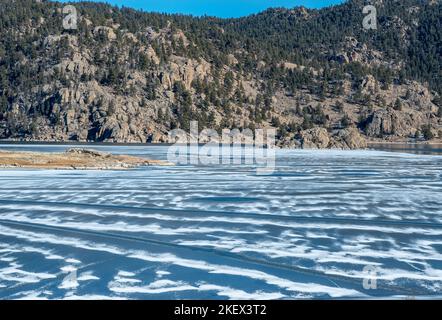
{"points": [[78, 143], [73, 159], [419, 143], [140, 144]]}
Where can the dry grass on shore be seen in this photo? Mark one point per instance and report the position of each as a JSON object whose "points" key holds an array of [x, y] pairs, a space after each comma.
{"points": [[82, 159]]}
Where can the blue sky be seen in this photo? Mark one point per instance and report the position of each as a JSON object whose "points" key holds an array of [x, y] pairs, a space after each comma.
{"points": [[219, 8]]}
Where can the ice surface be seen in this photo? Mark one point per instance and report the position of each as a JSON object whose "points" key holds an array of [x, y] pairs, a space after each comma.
{"points": [[309, 230]]}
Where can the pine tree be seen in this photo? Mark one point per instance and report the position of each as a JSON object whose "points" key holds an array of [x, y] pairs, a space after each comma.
{"points": [[427, 132], [397, 105]]}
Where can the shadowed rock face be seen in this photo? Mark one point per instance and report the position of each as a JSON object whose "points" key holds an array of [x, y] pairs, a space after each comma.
{"points": [[74, 158], [391, 122]]}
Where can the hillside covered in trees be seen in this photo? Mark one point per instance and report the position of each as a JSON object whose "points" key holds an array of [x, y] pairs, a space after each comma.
{"points": [[317, 76]]}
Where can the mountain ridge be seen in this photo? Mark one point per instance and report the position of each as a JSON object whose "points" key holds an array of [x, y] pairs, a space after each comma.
{"points": [[315, 75]]}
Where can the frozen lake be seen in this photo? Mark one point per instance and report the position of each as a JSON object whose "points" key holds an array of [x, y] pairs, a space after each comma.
{"points": [[321, 226]]}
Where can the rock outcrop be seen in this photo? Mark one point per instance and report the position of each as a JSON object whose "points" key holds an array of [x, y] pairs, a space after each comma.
{"points": [[316, 138], [320, 138], [349, 138], [390, 122]]}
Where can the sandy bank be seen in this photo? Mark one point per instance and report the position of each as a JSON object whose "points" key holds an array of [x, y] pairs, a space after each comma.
{"points": [[74, 158]]}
